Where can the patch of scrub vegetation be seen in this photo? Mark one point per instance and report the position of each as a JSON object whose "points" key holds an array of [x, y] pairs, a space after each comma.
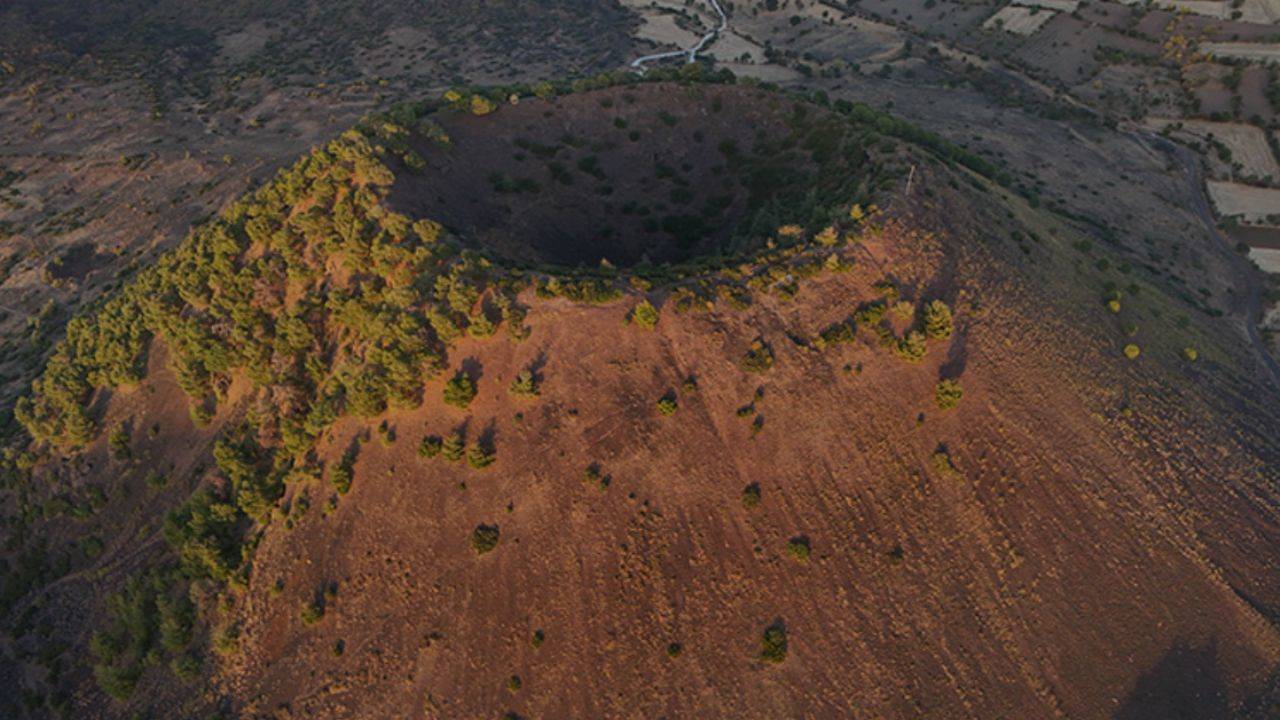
{"points": [[759, 357], [149, 618], [459, 391], [773, 646], [798, 548], [525, 384], [947, 394], [668, 405], [644, 315], [484, 538]]}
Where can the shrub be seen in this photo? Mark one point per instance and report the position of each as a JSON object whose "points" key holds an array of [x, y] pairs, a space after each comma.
{"points": [[479, 458], [593, 476], [1132, 351], [117, 681], [798, 548], [1190, 354], [758, 359], [430, 446], [674, 649], [484, 538], [948, 394], [118, 441], [340, 477], [481, 105], [941, 463], [312, 612], [911, 348], [828, 237], [513, 683], [226, 640], [938, 324], [644, 315], [836, 334], [667, 405], [186, 666], [386, 433], [525, 385], [452, 448], [774, 644], [459, 391], [751, 496], [538, 638]]}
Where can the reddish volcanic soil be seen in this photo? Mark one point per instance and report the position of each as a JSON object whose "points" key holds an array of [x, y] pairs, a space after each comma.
{"points": [[1085, 536], [1103, 549]]}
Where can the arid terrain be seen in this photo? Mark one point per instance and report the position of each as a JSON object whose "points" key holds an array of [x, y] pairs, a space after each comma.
{"points": [[893, 359]]}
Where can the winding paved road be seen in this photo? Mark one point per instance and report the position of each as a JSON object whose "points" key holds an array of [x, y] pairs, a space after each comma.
{"points": [[692, 53]]}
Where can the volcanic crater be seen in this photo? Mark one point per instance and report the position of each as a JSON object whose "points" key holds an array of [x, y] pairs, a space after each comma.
{"points": [[659, 173]]}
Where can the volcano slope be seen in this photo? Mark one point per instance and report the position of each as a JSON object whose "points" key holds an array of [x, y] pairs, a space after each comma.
{"points": [[676, 398]]}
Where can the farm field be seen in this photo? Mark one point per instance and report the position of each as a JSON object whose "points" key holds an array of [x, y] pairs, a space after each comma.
{"points": [[1250, 204], [1247, 144], [1019, 19], [1268, 53], [1267, 258]]}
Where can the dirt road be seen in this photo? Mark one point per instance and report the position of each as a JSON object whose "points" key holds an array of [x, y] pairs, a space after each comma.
{"points": [[691, 53]]}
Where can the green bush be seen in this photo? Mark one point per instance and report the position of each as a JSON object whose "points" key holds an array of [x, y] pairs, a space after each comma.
{"points": [[340, 475], [667, 405], [941, 463], [479, 458], [644, 315], [484, 538], [312, 612], [938, 324], [758, 359], [912, 348], [798, 548], [751, 496], [948, 394], [594, 476], [453, 447], [118, 441], [459, 391], [525, 385], [430, 446], [186, 666], [1132, 351], [774, 644]]}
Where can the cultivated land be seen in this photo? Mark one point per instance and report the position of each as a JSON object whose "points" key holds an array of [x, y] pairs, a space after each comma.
{"points": [[1248, 150], [1251, 205], [700, 421], [1261, 52], [1019, 19]]}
